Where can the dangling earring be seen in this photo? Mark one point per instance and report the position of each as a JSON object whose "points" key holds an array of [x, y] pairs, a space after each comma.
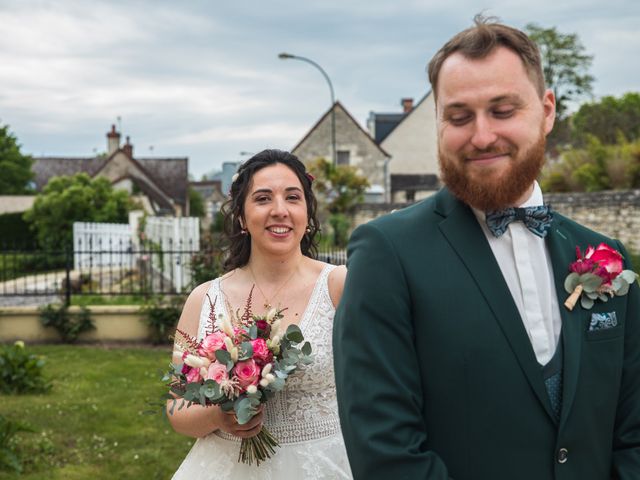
{"points": [[244, 231], [308, 229]]}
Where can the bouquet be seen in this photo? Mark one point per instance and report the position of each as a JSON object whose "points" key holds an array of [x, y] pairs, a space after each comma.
{"points": [[595, 275], [237, 365]]}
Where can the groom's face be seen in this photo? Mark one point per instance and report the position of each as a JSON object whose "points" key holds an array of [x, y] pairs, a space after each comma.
{"points": [[492, 126]]}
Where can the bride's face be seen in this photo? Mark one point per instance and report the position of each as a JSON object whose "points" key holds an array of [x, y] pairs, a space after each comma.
{"points": [[275, 210]]}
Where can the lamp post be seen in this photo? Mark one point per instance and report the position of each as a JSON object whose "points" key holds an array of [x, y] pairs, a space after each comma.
{"points": [[287, 56]]}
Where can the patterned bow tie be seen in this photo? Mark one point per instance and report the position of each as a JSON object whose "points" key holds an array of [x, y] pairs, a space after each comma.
{"points": [[536, 219]]}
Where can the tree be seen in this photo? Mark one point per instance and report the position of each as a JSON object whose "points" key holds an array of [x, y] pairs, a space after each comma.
{"points": [[79, 198], [339, 189], [608, 120], [196, 203], [15, 167], [564, 64]]}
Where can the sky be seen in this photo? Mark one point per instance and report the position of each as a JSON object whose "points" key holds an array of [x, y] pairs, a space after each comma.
{"points": [[202, 79]]}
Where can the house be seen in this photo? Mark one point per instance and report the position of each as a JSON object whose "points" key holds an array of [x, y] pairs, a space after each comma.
{"points": [[212, 196], [410, 138], [354, 146], [159, 184]]}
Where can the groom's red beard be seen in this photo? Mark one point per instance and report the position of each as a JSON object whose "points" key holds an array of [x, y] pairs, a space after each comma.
{"points": [[493, 191]]}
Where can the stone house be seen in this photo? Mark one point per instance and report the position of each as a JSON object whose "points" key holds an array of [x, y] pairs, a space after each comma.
{"points": [[410, 138], [160, 185], [354, 147]]}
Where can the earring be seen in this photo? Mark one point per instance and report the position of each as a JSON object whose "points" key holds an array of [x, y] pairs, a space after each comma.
{"points": [[244, 231], [308, 229]]}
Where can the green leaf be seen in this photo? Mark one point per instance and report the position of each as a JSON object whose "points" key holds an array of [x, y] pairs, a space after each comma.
{"points": [[592, 295], [306, 348], [277, 384], [223, 356], [571, 282], [294, 334], [590, 282], [245, 410], [253, 332], [586, 302], [623, 290], [246, 351], [603, 298], [628, 276], [211, 390]]}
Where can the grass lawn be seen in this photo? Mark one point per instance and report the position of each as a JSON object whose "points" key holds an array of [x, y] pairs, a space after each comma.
{"points": [[91, 425]]}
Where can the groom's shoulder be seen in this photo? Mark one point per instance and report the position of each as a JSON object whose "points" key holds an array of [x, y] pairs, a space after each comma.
{"points": [[408, 217], [580, 232]]}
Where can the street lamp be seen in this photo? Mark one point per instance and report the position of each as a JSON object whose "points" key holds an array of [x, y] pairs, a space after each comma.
{"points": [[287, 56]]}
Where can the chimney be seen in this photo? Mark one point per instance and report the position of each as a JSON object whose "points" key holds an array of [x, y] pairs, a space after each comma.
{"points": [[128, 148], [113, 140], [407, 104]]}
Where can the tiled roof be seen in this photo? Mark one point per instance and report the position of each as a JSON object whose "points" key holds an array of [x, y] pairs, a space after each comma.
{"points": [[170, 174]]}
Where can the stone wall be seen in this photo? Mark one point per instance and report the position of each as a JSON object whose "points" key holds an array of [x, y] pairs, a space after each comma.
{"points": [[614, 213]]}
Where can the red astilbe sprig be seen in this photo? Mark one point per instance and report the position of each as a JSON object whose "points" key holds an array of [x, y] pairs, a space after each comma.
{"points": [[247, 315], [210, 327], [186, 342]]}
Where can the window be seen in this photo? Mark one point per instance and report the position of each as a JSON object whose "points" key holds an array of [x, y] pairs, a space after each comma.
{"points": [[343, 157]]}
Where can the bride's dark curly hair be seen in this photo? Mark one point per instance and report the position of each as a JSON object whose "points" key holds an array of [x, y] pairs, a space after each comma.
{"points": [[238, 244]]}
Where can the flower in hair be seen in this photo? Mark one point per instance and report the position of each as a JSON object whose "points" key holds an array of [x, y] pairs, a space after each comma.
{"points": [[310, 177], [235, 177]]}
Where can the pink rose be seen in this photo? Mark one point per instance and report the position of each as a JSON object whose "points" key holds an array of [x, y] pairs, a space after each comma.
{"points": [[247, 372], [211, 343], [193, 375], [260, 351], [217, 372], [608, 259]]}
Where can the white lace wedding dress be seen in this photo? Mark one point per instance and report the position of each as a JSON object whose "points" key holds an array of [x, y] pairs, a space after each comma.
{"points": [[303, 417]]}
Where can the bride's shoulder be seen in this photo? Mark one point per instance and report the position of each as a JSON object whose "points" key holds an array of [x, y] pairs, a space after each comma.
{"points": [[190, 317], [335, 281]]}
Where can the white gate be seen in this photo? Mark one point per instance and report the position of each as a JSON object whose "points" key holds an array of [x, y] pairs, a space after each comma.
{"points": [[101, 245]]}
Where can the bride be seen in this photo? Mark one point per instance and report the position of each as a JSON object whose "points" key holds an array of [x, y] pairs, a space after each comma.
{"points": [[270, 222]]}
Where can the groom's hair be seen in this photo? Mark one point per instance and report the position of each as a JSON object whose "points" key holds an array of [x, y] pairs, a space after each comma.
{"points": [[483, 38]]}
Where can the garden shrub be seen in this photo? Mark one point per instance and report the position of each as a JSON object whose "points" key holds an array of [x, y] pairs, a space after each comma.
{"points": [[9, 456], [21, 372], [68, 325], [162, 317]]}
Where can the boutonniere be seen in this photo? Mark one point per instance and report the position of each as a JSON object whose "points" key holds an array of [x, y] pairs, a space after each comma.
{"points": [[597, 275]]}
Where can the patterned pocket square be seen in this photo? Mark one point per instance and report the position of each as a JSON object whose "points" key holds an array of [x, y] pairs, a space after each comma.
{"points": [[603, 321]]}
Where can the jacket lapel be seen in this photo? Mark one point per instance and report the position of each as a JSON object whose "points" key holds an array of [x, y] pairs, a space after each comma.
{"points": [[461, 229], [561, 248]]}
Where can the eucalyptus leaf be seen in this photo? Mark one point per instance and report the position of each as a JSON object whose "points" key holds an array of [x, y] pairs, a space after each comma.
{"points": [[227, 406], [592, 295], [245, 410], [211, 390], [617, 283], [586, 302], [603, 298], [223, 356], [306, 348], [571, 282], [623, 290], [276, 385], [294, 334], [590, 282], [629, 276], [246, 351], [253, 332]]}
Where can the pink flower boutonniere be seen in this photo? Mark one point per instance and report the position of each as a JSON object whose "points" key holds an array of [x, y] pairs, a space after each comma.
{"points": [[597, 275]]}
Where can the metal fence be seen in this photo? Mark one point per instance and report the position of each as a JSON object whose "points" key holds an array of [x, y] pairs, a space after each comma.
{"points": [[112, 269]]}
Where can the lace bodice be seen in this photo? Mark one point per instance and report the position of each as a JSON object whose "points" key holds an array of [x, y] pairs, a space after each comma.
{"points": [[306, 409]]}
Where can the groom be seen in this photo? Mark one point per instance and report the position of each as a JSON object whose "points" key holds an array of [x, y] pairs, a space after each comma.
{"points": [[455, 357]]}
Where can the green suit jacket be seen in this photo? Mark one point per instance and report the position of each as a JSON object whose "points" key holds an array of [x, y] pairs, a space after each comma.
{"points": [[436, 375]]}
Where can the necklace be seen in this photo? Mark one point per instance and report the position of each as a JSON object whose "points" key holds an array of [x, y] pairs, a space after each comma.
{"points": [[267, 302]]}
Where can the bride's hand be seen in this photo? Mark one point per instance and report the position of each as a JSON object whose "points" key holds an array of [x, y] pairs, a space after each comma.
{"points": [[229, 423]]}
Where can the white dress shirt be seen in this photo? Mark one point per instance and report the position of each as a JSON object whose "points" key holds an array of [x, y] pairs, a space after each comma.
{"points": [[524, 261]]}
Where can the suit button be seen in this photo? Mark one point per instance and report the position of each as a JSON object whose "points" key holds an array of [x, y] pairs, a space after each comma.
{"points": [[563, 455]]}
